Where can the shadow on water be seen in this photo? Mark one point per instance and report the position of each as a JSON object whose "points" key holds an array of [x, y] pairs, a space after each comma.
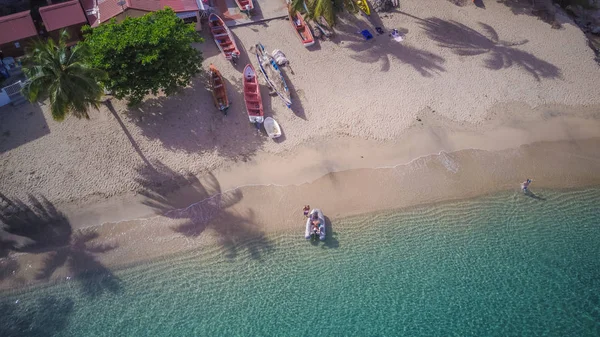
{"points": [[37, 227], [534, 196], [330, 239], [170, 194], [48, 317], [465, 41], [382, 48]]}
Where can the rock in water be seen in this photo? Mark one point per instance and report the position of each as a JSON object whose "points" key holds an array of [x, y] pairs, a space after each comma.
{"points": [[383, 5]]}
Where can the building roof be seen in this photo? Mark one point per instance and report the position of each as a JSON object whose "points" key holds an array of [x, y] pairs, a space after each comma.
{"points": [[62, 15], [16, 27], [107, 9]]}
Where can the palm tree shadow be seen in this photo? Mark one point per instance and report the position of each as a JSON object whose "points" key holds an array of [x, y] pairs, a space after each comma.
{"points": [[47, 317], [465, 41], [383, 49], [169, 193], [37, 227]]}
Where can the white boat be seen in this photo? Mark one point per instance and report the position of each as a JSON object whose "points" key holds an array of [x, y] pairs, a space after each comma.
{"points": [[309, 232], [272, 128]]}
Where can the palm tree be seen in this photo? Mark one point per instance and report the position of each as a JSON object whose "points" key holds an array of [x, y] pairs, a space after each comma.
{"points": [[325, 8], [62, 75]]}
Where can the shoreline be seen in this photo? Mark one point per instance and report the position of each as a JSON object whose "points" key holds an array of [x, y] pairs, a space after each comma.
{"points": [[232, 218]]}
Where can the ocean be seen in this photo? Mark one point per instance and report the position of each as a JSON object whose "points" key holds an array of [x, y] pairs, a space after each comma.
{"points": [[500, 265]]}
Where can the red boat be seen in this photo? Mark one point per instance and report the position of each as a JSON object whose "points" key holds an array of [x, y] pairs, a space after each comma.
{"points": [[217, 86], [223, 38], [252, 95], [245, 5], [304, 33]]}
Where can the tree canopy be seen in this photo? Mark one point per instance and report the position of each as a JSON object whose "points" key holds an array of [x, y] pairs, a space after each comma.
{"points": [[145, 55], [328, 9], [61, 74]]}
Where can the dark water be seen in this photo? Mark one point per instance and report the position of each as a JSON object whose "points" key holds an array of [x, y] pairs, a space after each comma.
{"points": [[504, 265]]}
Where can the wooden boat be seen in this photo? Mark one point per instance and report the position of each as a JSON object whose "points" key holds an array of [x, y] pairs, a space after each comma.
{"points": [[217, 86], [301, 28], [223, 38], [245, 5], [272, 128], [363, 6], [252, 95], [326, 30], [272, 74]]}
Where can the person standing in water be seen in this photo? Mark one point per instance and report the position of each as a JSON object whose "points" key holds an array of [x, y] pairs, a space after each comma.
{"points": [[525, 185], [306, 210]]}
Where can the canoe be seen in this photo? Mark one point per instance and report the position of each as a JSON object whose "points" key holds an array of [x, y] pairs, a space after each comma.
{"points": [[223, 38], [302, 30], [252, 95], [272, 74], [309, 232], [217, 86], [363, 6], [272, 128], [245, 5]]}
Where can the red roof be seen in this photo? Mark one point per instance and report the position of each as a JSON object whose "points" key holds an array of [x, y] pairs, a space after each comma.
{"points": [[108, 9], [62, 15], [16, 27]]}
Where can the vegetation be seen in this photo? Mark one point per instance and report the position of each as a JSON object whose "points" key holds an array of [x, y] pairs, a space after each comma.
{"points": [[328, 9], [60, 74], [145, 55]]}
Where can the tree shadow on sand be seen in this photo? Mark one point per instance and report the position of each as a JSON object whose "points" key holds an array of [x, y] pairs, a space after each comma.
{"points": [[383, 49], [169, 193], [47, 317], [37, 227], [466, 41], [542, 9], [189, 122]]}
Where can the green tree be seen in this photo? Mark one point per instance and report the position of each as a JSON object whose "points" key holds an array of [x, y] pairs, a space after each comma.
{"points": [[328, 9], [60, 74], [145, 55]]}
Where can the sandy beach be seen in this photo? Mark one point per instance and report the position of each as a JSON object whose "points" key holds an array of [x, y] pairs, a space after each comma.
{"points": [[472, 102]]}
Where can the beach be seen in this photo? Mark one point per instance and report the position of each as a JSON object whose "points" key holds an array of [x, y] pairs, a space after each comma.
{"points": [[471, 103]]}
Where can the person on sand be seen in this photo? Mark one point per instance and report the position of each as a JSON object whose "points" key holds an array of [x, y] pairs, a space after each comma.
{"points": [[525, 185], [306, 210]]}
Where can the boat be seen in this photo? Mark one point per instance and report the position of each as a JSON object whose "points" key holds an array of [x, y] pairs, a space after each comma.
{"points": [[217, 87], [245, 5], [322, 25], [301, 28], [363, 6], [223, 38], [272, 128], [309, 232], [252, 95], [272, 74]]}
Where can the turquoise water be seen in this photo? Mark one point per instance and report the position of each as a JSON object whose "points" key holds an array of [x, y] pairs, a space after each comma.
{"points": [[503, 265]]}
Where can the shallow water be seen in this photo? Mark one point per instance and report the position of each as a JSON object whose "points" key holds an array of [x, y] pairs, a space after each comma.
{"points": [[501, 265]]}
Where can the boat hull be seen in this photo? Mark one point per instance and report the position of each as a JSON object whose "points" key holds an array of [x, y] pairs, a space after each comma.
{"points": [[363, 6], [322, 225], [245, 5], [272, 74], [252, 96], [302, 31], [219, 92], [223, 37]]}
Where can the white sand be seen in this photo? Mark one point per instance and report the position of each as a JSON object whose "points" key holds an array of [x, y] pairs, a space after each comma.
{"points": [[371, 90]]}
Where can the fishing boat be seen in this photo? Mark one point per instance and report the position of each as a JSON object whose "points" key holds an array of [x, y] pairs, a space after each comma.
{"points": [[252, 95], [223, 38], [217, 87], [272, 128], [315, 226], [272, 74], [245, 5], [363, 6], [301, 28]]}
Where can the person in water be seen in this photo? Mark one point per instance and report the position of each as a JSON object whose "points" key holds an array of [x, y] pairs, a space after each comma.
{"points": [[306, 210], [525, 185]]}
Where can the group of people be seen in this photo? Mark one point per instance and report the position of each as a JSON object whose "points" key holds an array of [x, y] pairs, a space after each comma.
{"points": [[316, 223]]}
